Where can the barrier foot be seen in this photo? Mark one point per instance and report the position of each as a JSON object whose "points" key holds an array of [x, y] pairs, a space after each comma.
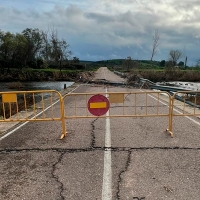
{"points": [[63, 135], [170, 132]]}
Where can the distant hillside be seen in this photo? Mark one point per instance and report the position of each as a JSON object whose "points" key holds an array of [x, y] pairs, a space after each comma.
{"points": [[120, 62]]}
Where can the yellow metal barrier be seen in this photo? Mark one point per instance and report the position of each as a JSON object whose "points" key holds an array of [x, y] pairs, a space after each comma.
{"points": [[21, 106], [187, 104], [40, 105], [121, 104]]}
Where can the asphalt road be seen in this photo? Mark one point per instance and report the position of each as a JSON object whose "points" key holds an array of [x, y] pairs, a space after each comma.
{"points": [[103, 159]]}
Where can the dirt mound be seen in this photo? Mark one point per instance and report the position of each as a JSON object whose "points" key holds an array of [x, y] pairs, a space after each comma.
{"points": [[85, 76]]}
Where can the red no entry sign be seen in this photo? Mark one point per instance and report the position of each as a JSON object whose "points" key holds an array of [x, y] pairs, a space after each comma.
{"points": [[98, 105]]}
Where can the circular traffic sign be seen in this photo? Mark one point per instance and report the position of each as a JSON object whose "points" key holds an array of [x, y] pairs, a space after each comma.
{"points": [[98, 105]]}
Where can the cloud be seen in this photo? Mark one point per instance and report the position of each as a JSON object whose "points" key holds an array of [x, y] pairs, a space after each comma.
{"points": [[111, 28]]}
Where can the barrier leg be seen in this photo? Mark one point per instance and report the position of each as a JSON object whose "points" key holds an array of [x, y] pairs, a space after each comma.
{"points": [[64, 133], [169, 130]]}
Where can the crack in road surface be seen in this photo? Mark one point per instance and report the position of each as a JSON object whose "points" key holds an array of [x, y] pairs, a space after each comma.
{"points": [[116, 149], [92, 144], [63, 151], [53, 173], [123, 171]]}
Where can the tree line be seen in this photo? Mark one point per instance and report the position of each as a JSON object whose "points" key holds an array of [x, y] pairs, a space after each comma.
{"points": [[33, 48]]}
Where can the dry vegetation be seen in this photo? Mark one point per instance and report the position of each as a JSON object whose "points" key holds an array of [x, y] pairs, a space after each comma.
{"points": [[165, 75], [194, 99]]}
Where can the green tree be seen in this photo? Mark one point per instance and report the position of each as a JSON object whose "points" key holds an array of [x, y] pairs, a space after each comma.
{"points": [[75, 60], [162, 63], [7, 48], [19, 51], [34, 44], [181, 64], [33, 48]]}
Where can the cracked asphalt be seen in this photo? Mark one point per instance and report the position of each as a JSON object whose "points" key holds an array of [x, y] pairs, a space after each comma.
{"points": [[146, 162]]}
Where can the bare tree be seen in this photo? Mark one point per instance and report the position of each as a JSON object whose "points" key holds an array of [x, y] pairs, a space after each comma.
{"points": [[59, 49], [184, 56], [45, 53], [185, 62], [128, 63], [174, 56], [156, 42]]}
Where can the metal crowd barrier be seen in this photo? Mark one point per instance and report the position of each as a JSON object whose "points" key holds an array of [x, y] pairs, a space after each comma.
{"points": [[120, 104], [187, 103], [34, 106]]}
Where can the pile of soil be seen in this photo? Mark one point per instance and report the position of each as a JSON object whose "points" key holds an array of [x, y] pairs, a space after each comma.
{"points": [[84, 77]]}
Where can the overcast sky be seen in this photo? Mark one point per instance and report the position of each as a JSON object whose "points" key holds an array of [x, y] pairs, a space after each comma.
{"points": [[110, 29]]}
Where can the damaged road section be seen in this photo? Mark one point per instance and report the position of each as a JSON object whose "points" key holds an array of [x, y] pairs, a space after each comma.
{"points": [[60, 173], [28, 175], [159, 174], [120, 178], [50, 174], [54, 170], [93, 133]]}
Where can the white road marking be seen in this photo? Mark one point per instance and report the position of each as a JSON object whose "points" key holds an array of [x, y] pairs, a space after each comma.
{"points": [[107, 171], [104, 73], [9, 133]]}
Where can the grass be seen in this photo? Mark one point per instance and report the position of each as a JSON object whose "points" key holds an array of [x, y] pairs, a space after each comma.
{"points": [[160, 75], [54, 70]]}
